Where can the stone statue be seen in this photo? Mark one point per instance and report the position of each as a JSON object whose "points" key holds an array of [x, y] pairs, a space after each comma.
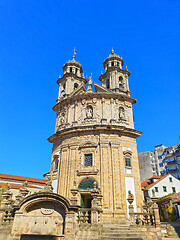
{"points": [[8, 187], [121, 113], [25, 184], [89, 112]]}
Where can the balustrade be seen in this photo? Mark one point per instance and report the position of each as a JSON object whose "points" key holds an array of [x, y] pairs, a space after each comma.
{"points": [[84, 215], [142, 219]]}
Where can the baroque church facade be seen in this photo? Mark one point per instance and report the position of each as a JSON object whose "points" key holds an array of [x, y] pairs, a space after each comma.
{"points": [[94, 167], [95, 139]]}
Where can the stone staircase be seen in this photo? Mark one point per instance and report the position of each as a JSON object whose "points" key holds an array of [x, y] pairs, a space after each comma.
{"points": [[113, 232]]}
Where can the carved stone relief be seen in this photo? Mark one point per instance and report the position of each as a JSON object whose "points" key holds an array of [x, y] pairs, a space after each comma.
{"points": [[62, 117]]}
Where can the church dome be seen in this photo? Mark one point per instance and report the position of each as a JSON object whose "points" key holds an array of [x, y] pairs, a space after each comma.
{"points": [[72, 64], [113, 60]]}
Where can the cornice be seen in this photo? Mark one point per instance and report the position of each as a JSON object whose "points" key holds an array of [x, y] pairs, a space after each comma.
{"points": [[110, 129], [75, 98], [71, 75]]}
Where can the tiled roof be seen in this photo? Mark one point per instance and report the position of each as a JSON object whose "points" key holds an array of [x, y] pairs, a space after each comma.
{"points": [[145, 185], [155, 177], [16, 186], [14, 177]]}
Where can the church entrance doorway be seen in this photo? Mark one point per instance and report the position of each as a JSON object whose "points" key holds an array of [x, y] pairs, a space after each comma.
{"points": [[86, 200]]}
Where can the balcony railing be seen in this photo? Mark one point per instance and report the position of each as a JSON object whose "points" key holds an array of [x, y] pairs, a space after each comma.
{"points": [[89, 215], [84, 215]]}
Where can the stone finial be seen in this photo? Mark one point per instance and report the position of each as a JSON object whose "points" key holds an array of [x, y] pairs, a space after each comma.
{"points": [[126, 68], [130, 197], [112, 51]]}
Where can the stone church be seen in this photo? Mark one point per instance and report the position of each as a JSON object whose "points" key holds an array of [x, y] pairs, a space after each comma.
{"points": [[94, 167]]}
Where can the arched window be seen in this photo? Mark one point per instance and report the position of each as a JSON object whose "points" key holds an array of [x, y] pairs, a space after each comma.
{"points": [[56, 164], [120, 81], [70, 69], [87, 183], [62, 93], [117, 64], [75, 86], [112, 64]]}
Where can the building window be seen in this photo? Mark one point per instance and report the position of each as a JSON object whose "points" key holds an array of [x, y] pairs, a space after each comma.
{"points": [[161, 164], [87, 183], [88, 160], [170, 179], [120, 81], [70, 69], [112, 64], [173, 189], [56, 163], [75, 86], [128, 162], [117, 64], [164, 189], [156, 189]]}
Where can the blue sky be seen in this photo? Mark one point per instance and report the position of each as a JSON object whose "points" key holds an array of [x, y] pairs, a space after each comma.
{"points": [[37, 38]]}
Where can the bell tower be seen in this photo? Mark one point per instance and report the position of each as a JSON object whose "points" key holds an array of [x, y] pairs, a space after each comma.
{"points": [[71, 80], [115, 78]]}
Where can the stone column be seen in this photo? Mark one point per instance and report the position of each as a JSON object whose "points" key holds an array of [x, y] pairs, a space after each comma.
{"points": [[156, 215]]}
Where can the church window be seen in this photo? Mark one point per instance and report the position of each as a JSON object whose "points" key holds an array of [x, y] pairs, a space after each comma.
{"points": [[56, 163], [70, 69], [87, 183], [112, 64], [107, 84], [128, 161], [76, 70], [75, 86], [117, 64], [88, 160], [62, 93]]}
